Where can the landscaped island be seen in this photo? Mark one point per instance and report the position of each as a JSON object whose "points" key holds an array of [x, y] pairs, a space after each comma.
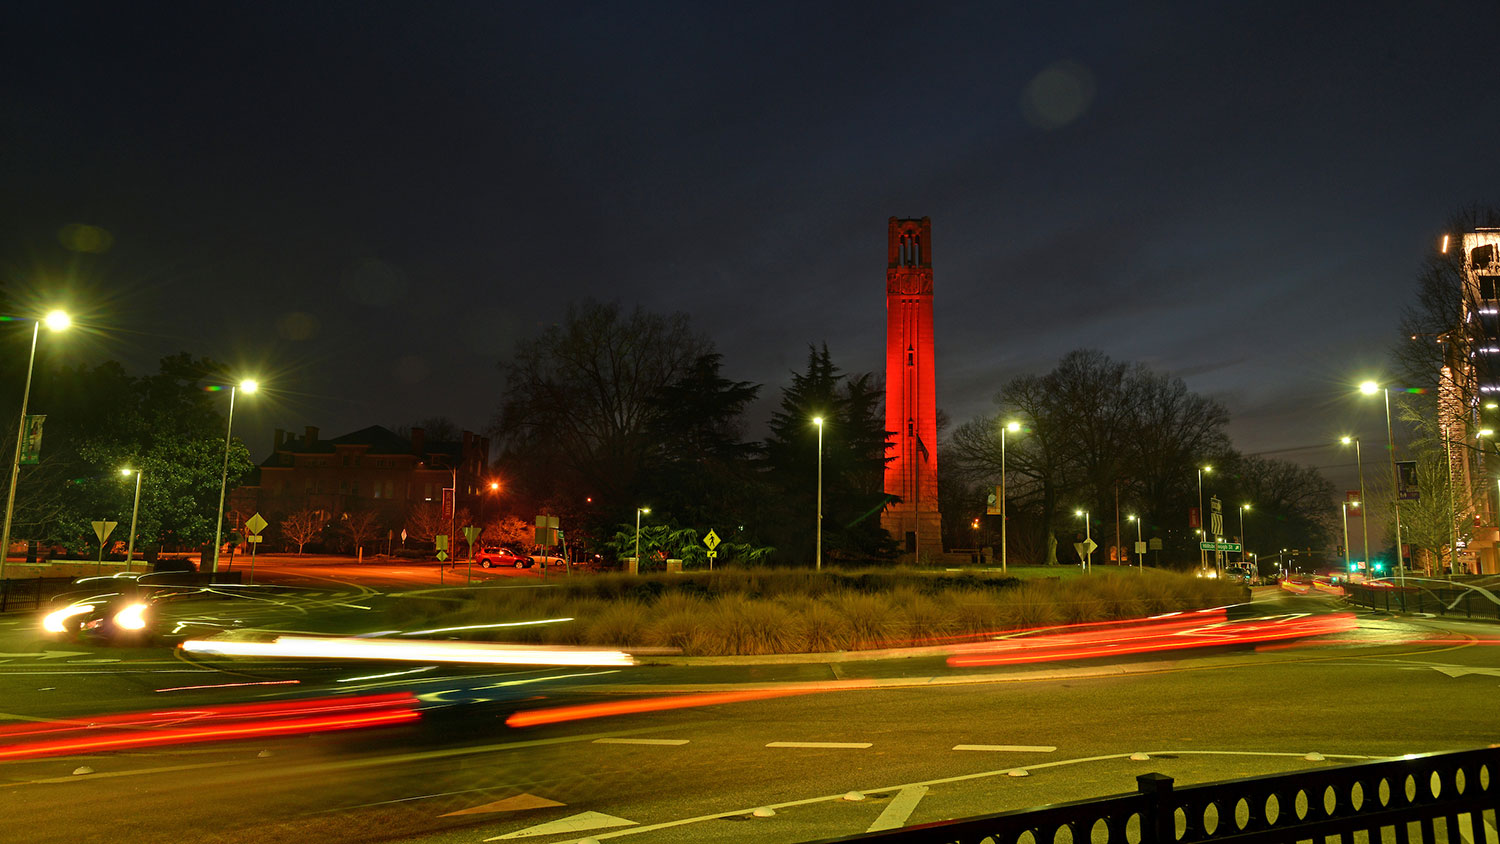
{"points": [[779, 611]]}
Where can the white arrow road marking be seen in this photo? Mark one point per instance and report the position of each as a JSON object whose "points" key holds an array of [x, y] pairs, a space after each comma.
{"points": [[1003, 748], [847, 745], [900, 808], [1461, 670], [577, 823], [517, 803]]}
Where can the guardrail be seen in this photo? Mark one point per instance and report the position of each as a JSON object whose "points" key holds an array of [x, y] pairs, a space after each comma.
{"points": [[1427, 596], [1410, 799]]}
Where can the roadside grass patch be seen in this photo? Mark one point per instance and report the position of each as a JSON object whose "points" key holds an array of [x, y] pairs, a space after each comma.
{"points": [[771, 611]]}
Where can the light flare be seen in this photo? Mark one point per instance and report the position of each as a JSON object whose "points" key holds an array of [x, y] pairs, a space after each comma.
{"points": [[389, 650], [561, 714]]}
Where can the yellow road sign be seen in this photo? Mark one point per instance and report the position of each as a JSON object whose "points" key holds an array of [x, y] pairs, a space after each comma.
{"points": [[712, 540]]}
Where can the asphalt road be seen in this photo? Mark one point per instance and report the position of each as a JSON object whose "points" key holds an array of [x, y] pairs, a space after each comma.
{"points": [[914, 738]]}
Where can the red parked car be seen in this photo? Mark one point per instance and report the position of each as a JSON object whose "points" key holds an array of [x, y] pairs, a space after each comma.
{"points": [[498, 556]]}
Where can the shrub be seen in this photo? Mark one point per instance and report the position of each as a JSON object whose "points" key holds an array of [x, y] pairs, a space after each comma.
{"points": [[872, 620], [923, 618], [1030, 605], [975, 612]]}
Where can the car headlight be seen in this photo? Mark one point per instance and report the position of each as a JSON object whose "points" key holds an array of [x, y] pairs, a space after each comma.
{"points": [[132, 617], [53, 621]]}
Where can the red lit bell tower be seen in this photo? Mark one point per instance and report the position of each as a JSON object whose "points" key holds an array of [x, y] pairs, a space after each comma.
{"points": [[910, 403]]}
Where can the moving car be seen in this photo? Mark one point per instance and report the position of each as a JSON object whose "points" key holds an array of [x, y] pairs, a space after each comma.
{"points": [[498, 556], [123, 615]]}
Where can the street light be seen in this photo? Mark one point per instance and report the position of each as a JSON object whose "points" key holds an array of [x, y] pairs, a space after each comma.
{"points": [[134, 513], [1013, 427], [818, 557], [638, 512], [1140, 560], [1344, 507], [249, 386], [1243, 508], [55, 321], [1370, 388], [1086, 563], [1364, 520], [1202, 525]]}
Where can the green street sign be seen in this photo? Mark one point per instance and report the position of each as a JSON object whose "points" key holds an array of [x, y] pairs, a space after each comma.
{"points": [[440, 542], [1219, 546]]}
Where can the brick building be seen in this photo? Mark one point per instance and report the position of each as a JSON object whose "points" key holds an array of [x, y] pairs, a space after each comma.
{"points": [[370, 469]]}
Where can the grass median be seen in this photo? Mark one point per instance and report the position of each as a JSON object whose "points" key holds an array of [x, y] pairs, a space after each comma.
{"points": [[778, 611]]}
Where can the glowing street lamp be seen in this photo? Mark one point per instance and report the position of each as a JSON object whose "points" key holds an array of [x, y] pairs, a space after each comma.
{"points": [[638, 512], [818, 557], [1087, 562], [1012, 427], [249, 386], [55, 321], [1202, 523], [1364, 521], [1370, 388], [135, 512], [1140, 556], [1243, 508]]}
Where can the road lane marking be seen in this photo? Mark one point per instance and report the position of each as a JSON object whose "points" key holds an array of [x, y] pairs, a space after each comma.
{"points": [[1007, 748], [845, 745], [1001, 772], [900, 808], [662, 741], [517, 803], [577, 823]]}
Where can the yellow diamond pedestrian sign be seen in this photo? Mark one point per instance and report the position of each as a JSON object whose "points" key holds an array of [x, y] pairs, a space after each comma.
{"points": [[256, 523], [712, 540]]}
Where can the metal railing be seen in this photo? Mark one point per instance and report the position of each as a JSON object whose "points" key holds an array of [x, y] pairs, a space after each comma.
{"points": [[28, 593], [1439, 597], [1439, 798]]}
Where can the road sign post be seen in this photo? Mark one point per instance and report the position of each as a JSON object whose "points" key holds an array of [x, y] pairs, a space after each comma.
{"points": [[102, 530], [255, 524], [712, 541]]}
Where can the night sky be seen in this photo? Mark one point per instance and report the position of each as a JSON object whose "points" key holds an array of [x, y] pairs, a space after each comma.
{"points": [[369, 205]]}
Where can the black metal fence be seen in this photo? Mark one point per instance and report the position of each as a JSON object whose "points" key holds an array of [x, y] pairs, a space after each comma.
{"points": [[1439, 798], [17, 593], [1427, 596]]}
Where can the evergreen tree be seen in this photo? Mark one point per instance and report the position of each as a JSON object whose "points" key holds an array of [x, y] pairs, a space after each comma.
{"points": [[853, 460]]}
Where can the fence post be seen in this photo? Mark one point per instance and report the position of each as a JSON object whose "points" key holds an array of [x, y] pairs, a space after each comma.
{"points": [[1158, 826]]}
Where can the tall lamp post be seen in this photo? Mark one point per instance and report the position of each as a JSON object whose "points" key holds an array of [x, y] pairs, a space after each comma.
{"points": [[1012, 427], [1086, 563], [1140, 560], [818, 555], [1370, 388], [1344, 506], [1243, 508], [1364, 521], [638, 512], [56, 321], [249, 386], [135, 513], [1202, 525]]}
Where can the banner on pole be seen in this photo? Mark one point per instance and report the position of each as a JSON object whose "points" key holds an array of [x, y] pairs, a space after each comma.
{"points": [[447, 504], [1406, 481], [31, 442]]}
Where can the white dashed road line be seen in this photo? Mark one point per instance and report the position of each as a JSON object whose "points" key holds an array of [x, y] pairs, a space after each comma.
{"points": [[899, 809], [661, 741], [847, 745], [1007, 748]]}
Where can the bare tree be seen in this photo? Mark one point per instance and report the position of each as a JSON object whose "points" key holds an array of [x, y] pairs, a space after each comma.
{"points": [[361, 526], [580, 398], [425, 522], [303, 527]]}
